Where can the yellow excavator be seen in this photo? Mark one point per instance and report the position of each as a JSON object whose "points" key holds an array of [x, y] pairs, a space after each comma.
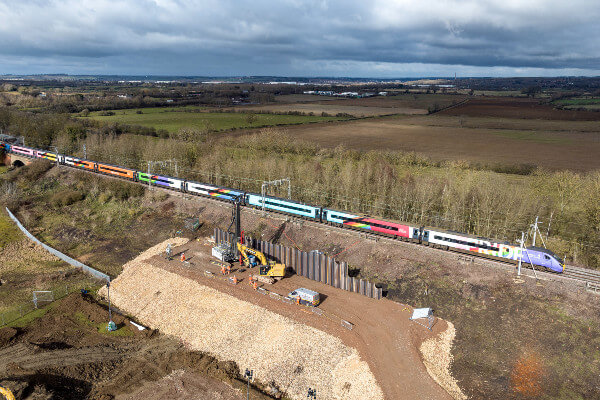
{"points": [[6, 393], [268, 271]]}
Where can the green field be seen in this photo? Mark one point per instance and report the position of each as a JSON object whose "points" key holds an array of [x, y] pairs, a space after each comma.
{"points": [[578, 102], [8, 230], [589, 103], [173, 119]]}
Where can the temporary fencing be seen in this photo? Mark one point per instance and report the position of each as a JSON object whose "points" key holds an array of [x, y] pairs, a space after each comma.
{"points": [[58, 254], [58, 293], [312, 265]]}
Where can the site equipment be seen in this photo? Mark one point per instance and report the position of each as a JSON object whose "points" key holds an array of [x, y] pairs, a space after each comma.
{"points": [[226, 251], [268, 271], [6, 393], [223, 253], [305, 296], [236, 221]]}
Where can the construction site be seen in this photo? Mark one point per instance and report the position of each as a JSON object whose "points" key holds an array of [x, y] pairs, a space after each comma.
{"points": [[218, 298], [234, 302]]}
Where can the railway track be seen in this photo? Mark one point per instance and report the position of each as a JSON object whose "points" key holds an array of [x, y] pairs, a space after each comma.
{"points": [[589, 278]]}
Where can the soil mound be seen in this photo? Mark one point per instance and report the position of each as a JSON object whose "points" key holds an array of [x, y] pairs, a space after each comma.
{"points": [[73, 322], [66, 354], [7, 335], [185, 386]]}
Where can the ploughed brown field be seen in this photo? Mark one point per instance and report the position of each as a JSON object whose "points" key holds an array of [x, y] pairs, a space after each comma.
{"points": [[518, 107], [503, 131], [400, 103]]}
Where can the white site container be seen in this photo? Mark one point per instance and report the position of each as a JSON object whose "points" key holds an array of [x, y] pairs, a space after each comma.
{"points": [[306, 296], [222, 253]]}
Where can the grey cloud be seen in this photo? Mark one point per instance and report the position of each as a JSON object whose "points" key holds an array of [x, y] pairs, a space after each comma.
{"points": [[278, 37]]}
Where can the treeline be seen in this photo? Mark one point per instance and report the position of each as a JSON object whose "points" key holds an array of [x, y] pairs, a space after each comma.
{"points": [[454, 195], [497, 201], [75, 99]]}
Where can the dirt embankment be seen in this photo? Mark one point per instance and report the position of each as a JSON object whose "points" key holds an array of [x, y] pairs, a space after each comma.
{"points": [[25, 267], [67, 354], [177, 299], [437, 357], [278, 349]]}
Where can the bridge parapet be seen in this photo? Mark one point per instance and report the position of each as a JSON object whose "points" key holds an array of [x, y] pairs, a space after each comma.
{"points": [[16, 160]]}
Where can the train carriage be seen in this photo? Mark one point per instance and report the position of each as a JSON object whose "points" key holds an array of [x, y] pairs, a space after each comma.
{"points": [[47, 155], [470, 243], [216, 192], [80, 163], [484, 247], [336, 217], [159, 180], [543, 258], [282, 205], [392, 229], [24, 151], [115, 170]]}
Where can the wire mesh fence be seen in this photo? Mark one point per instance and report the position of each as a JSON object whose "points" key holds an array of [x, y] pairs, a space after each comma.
{"points": [[60, 292]]}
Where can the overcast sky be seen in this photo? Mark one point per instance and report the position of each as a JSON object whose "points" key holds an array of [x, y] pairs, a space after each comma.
{"points": [[376, 38]]}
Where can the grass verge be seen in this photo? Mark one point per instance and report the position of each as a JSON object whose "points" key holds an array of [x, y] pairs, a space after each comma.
{"points": [[513, 340]]}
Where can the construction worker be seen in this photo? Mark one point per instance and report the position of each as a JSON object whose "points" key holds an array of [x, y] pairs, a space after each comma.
{"points": [[255, 285], [182, 257], [228, 269], [168, 251], [235, 281], [223, 269], [250, 280], [298, 300]]}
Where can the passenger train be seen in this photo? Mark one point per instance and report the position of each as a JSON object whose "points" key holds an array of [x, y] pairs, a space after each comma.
{"points": [[430, 236]]}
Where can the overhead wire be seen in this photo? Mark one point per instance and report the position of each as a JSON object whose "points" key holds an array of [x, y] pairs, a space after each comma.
{"points": [[351, 202]]}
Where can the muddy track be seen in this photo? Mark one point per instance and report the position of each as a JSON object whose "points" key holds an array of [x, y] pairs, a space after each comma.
{"points": [[30, 358]]}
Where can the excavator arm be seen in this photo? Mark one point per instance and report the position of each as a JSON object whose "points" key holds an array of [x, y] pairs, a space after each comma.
{"points": [[7, 393], [245, 250]]}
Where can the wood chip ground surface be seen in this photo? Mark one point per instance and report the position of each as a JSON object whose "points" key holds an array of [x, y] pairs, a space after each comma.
{"points": [[379, 358]]}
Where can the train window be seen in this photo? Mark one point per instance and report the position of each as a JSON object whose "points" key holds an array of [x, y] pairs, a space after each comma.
{"points": [[392, 228], [286, 205], [465, 243], [546, 257]]}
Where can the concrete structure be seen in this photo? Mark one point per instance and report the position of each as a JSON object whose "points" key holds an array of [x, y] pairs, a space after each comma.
{"points": [[16, 160]]}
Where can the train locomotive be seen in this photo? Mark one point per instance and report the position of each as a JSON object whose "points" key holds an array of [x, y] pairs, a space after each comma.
{"points": [[429, 236]]}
